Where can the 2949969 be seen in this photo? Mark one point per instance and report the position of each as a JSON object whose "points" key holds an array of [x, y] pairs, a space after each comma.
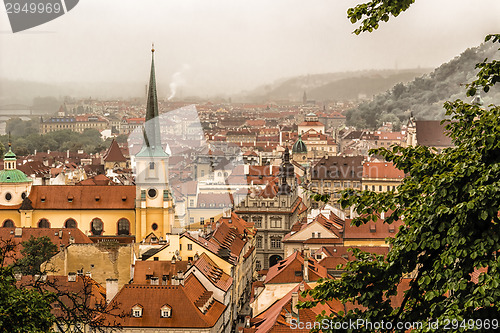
{"points": [[471, 324], [38, 7]]}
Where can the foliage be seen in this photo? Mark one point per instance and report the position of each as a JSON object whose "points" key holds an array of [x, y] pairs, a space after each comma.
{"points": [[25, 139], [449, 242], [373, 12], [23, 310], [424, 96], [37, 302], [35, 252]]}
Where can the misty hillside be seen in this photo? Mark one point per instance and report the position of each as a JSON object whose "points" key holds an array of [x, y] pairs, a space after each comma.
{"points": [[425, 95], [332, 86]]}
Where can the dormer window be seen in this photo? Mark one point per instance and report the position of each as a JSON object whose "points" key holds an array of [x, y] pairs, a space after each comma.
{"points": [[166, 311], [137, 311]]}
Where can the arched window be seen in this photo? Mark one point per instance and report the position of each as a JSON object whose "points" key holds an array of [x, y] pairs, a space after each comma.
{"points": [[8, 224], [123, 227], [70, 223], [96, 227], [43, 223]]}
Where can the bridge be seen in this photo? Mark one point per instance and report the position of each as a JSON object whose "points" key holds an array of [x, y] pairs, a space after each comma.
{"points": [[16, 110]]}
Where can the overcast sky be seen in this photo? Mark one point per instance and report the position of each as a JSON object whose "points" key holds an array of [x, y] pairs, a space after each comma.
{"points": [[223, 46]]}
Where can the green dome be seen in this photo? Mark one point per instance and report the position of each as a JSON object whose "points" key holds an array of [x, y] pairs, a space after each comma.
{"points": [[299, 146], [13, 176]]}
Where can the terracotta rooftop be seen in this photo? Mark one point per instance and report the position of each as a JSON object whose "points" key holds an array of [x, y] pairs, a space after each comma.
{"points": [[186, 303], [371, 230], [291, 270], [274, 318], [210, 269], [114, 153], [145, 269], [58, 236], [82, 197], [382, 170]]}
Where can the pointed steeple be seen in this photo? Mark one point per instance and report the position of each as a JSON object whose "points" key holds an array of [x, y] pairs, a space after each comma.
{"points": [[152, 136]]}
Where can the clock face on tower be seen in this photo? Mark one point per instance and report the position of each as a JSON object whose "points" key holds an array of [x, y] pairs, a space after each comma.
{"points": [[152, 193]]}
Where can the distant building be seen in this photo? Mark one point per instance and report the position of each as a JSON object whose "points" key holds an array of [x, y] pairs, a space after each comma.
{"points": [[75, 124]]}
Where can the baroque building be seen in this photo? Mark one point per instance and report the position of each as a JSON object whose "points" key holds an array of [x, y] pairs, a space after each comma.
{"points": [[273, 210], [123, 212]]}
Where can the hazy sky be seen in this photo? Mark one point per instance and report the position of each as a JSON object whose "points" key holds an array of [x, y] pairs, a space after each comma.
{"points": [[223, 46]]}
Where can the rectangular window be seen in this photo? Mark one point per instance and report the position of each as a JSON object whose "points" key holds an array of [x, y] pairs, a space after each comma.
{"points": [[275, 243], [191, 220], [380, 188], [202, 220], [190, 247]]}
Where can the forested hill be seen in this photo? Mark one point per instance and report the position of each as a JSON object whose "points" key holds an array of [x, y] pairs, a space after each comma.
{"points": [[425, 95], [331, 86]]}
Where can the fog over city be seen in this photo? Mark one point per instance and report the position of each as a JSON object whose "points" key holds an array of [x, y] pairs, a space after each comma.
{"points": [[207, 48]]}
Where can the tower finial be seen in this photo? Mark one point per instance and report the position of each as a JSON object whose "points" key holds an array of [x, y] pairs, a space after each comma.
{"points": [[153, 47], [10, 142]]}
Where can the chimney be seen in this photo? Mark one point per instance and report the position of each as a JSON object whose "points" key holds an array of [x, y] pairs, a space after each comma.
{"points": [[382, 215], [67, 153], [295, 301], [111, 289], [180, 277], [288, 318], [71, 277], [247, 321], [18, 232]]}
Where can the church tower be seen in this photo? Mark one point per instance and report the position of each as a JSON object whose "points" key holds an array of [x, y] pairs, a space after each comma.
{"points": [[154, 204]]}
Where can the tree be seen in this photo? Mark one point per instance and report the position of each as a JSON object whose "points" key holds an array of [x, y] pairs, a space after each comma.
{"points": [[32, 301], [21, 309], [450, 239], [35, 252]]}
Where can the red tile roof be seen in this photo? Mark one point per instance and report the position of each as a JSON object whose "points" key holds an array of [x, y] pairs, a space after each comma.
{"points": [[274, 318], [371, 230], [157, 269], [82, 197], [382, 170], [210, 269], [286, 270], [114, 153], [58, 236], [185, 302]]}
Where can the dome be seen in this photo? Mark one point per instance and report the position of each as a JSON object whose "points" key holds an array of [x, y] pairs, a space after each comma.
{"points": [[299, 146], [14, 176]]}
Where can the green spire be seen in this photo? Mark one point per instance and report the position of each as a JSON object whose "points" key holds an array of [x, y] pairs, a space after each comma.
{"points": [[152, 136], [9, 156]]}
